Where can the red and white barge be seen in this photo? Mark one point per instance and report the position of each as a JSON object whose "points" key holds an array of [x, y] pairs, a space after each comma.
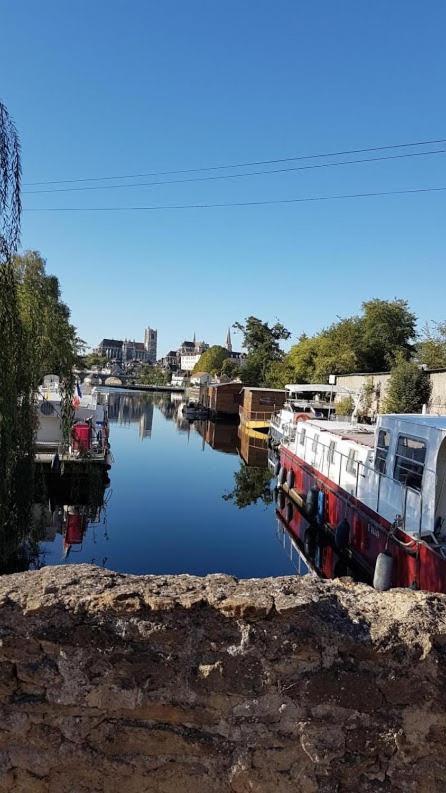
{"points": [[381, 491]]}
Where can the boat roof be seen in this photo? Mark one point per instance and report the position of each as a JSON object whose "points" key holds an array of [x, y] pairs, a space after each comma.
{"points": [[310, 387], [347, 431], [422, 419]]}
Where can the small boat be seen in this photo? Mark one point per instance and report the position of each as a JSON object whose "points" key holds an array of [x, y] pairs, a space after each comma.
{"points": [[89, 431], [381, 492]]}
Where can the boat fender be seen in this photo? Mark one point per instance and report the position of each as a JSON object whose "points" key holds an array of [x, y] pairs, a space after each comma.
{"points": [[282, 475], [289, 512], [321, 507], [281, 499], [55, 464], [290, 479], [311, 501], [277, 468], [342, 534], [382, 578]]}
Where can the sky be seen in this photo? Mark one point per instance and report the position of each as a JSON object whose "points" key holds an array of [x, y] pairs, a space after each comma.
{"points": [[114, 88]]}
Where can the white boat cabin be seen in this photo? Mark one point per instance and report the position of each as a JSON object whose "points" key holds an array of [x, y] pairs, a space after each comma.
{"points": [[49, 412], [397, 468]]}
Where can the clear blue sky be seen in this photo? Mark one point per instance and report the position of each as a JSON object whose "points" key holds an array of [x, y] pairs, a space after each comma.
{"points": [[107, 87]]}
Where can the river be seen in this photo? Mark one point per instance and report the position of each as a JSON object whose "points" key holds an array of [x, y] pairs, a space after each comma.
{"points": [[180, 499]]}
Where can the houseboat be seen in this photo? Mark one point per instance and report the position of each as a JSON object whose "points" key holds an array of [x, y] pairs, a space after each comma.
{"points": [[88, 439], [258, 405], [382, 492], [313, 400]]}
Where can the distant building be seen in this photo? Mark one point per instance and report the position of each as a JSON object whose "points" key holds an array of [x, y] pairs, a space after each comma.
{"points": [[111, 349], [124, 351], [228, 343], [171, 361], [190, 353], [150, 343]]}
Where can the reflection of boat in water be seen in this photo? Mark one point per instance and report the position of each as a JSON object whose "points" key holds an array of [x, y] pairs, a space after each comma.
{"points": [[69, 504], [382, 494], [312, 548], [193, 411], [88, 433], [219, 435], [253, 446]]}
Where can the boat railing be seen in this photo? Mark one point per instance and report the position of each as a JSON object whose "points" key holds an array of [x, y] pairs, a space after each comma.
{"points": [[256, 415], [411, 499]]}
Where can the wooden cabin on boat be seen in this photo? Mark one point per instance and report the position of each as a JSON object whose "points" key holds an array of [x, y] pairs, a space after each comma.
{"points": [[222, 399], [259, 404]]}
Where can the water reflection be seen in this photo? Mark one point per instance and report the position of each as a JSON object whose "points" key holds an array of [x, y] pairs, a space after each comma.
{"points": [[312, 548], [70, 504], [175, 509]]}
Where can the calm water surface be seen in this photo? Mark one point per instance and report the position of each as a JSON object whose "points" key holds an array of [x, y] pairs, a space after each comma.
{"points": [[180, 499]]}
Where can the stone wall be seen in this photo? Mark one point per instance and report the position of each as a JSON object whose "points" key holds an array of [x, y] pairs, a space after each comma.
{"points": [[161, 684], [380, 382]]}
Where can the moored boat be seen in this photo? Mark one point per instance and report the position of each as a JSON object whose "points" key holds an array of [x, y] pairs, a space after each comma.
{"points": [[382, 492], [305, 401], [89, 431]]}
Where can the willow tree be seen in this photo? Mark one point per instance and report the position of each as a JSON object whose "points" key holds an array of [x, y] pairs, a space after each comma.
{"points": [[15, 388]]}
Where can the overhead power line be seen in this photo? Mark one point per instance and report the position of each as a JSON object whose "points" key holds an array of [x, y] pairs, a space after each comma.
{"points": [[237, 175], [239, 203], [240, 164]]}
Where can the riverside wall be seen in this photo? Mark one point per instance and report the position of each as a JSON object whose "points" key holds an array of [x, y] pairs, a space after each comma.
{"points": [[114, 682], [380, 382]]}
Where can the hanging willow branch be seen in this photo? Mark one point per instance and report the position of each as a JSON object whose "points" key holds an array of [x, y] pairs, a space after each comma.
{"points": [[16, 408], [10, 176]]}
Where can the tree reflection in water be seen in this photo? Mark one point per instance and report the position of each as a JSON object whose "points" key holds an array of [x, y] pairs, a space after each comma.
{"points": [[251, 485], [38, 510]]}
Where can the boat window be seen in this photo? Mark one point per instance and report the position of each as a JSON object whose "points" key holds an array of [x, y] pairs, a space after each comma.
{"points": [[331, 451], [352, 462], [314, 444], [302, 437], [382, 450], [409, 461]]}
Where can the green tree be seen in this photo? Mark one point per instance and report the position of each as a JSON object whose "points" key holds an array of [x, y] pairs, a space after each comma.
{"points": [[16, 410], [152, 375], [93, 359], [431, 349], [388, 331], [263, 350], [211, 360], [366, 343], [230, 368], [409, 388], [51, 338]]}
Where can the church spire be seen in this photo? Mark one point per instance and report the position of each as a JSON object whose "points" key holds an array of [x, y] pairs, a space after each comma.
{"points": [[228, 344]]}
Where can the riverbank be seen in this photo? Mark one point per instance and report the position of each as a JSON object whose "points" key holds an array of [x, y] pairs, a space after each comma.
{"points": [[113, 682]]}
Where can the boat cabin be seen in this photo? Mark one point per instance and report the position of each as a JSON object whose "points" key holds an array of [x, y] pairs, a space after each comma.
{"points": [[397, 469]]}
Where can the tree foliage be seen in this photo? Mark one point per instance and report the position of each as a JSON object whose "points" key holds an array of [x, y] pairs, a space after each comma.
{"points": [[16, 415], [212, 360], [431, 349], [230, 368], [368, 342], [152, 375], [261, 342], [409, 388]]}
